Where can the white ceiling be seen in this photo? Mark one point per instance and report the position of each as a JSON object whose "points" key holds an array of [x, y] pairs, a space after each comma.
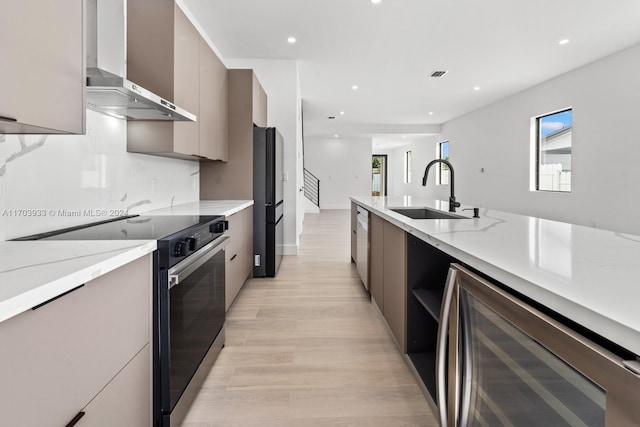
{"points": [[390, 49]]}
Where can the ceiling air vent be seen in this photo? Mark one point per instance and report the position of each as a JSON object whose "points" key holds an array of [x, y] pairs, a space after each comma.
{"points": [[331, 117], [438, 73]]}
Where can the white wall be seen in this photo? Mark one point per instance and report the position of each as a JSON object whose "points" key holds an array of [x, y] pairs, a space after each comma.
{"points": [[423, 150], [279, 79], [605, 97], [56, 176], [343, 166]]}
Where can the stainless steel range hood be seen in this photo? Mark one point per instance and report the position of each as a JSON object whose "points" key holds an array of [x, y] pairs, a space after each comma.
{"points": [[108, 90]]}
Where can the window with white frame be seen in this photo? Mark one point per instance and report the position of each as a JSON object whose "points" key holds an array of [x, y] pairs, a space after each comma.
{"points": [[552, 147], [442, 177], [407, 167]]}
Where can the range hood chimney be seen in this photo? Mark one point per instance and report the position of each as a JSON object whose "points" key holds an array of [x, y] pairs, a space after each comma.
{"points": [[108, 90]]}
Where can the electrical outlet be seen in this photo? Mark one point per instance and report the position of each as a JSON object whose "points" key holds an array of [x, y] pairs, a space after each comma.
{"points": [[256, 260]]}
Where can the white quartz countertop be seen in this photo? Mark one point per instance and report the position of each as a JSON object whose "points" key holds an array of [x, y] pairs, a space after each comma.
{"points": [[35, 271], [204, 207], [32, 272], [588, 275]]}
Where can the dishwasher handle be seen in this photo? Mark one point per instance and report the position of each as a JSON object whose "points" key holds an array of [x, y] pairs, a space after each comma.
{"points": [[184, 269]]}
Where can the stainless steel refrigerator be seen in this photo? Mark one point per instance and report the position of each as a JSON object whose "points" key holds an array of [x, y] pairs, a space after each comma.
{"points": [[268, 209]]}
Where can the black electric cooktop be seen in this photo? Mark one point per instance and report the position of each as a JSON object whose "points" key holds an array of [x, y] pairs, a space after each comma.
{"points": [[139, 227]]}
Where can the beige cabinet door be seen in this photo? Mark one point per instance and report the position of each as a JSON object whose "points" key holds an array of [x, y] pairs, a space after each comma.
{"points": [[259, 103], [57, 357], [234, 179], [163, 55], [186, 87], [43, 78], [150, 38], [263, 106], [214, 89], [235, 233], [237, 254], [126, 400], [248, 244]]}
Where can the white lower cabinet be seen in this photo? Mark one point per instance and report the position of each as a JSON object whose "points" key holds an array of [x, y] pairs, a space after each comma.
{"points": [[59, 357]]}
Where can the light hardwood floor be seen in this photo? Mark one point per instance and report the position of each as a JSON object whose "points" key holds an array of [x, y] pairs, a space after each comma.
{"points": [[307, 348]]}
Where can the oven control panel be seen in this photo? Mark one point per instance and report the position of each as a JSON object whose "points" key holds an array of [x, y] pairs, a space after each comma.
{"points": [[186, 244]]}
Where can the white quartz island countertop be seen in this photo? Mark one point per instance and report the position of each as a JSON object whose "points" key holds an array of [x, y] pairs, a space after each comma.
{"points": [[32, 272], [590, 276]]}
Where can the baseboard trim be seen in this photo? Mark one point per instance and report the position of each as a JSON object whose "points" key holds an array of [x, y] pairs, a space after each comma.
{"points": [[290, 250]]}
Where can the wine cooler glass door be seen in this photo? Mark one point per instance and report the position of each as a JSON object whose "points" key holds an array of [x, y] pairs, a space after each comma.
{"points": [[508, 379]]}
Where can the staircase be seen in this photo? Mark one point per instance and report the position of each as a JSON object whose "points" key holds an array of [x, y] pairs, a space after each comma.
{"points": [[312, 188]]}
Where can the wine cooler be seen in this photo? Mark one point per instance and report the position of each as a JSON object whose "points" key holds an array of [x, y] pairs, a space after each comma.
{"points": [[502, 362]]}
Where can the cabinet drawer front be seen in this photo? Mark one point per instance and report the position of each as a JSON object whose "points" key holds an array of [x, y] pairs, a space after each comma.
{"points": [[236, 234], [58, 357], [126, 400], [248, 229], [236, 274]]}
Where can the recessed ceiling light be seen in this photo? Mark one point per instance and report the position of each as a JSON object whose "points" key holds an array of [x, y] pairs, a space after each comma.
{"points": [[431, 113], [342, 113], [354, 87], [563, 42], [375, 1], [335, 135], [291, 40], [477, 88]]}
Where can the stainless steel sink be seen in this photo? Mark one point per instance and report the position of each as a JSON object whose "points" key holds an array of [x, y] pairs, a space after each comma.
{"points": [[426, 213]]}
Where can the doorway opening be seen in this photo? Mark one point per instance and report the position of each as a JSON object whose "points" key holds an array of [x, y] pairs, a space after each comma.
{"points": [[379, 175]]}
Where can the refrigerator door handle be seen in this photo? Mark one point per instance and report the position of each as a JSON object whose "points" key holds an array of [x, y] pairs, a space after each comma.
{"points": [[441, 347]]}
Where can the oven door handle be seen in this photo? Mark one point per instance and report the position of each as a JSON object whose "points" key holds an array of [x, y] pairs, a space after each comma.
{"points": [[183, 269]]}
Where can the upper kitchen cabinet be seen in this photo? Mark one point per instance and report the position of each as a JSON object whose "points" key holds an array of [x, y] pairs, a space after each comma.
{"points": [[234, 179], [214, 94], [259, 104], [167, 55], [43, 77], [163, 55]]}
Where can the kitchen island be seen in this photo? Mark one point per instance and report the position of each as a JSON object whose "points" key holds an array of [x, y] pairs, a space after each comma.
{"points": [[504, 316], [587, 275]]}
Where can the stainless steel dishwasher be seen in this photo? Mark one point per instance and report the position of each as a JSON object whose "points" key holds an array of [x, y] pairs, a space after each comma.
{"points": [[362, 248]]}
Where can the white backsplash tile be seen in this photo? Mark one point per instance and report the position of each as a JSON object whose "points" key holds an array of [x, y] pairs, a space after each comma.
{"points": [[56, 181]]}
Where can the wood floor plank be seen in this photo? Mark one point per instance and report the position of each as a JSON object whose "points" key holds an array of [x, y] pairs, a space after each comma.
{"points": [[307, 348]]}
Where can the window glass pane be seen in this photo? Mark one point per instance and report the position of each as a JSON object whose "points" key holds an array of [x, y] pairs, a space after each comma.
{"points": [[376, 176], [443, 153], [407, 167], [553, 148]]}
